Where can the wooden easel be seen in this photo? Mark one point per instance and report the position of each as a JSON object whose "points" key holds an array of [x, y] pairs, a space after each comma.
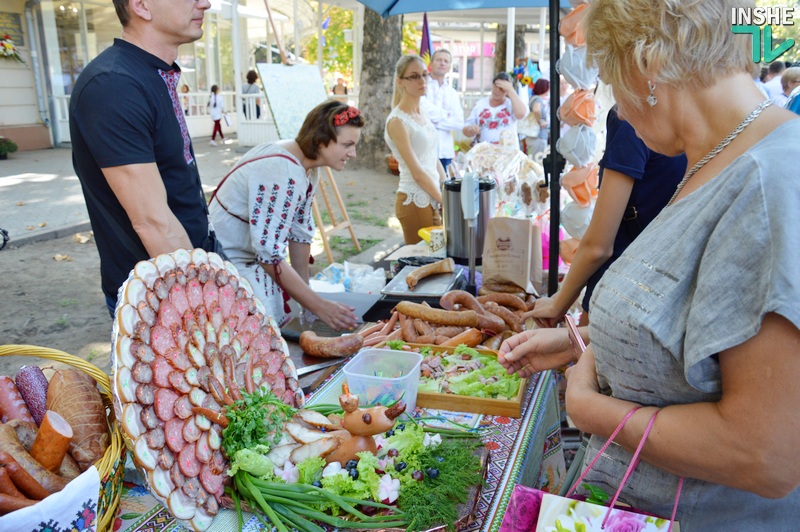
{"points": [[345, 223], [337, 225]]}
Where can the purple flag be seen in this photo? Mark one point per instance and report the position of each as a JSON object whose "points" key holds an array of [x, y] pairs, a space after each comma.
{"points": [[425, 51]]}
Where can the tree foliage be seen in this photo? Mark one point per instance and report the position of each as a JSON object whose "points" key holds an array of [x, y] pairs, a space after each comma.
{"points": [[781, 33], [337, 54]]}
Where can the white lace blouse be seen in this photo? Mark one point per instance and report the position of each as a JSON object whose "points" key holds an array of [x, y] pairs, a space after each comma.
{"points": [[424, 142]]}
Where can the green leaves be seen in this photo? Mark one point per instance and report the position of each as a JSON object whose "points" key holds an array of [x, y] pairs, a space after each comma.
{"points": [[257, 419]]}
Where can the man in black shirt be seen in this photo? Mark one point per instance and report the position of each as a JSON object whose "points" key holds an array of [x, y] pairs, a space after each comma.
{"points": [[131, 148]]}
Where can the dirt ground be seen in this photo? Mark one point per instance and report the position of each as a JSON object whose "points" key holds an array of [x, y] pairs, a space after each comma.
{"points": [[50, 291]]}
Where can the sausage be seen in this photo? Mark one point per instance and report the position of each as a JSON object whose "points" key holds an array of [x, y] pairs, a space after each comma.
{"points": [[215, 417], [32, 386], [507, 300], [467, 318], [375, 340], [230, 378], [483, 291], [443, 266], [7, 486], [372, 329], [470, 338], [423, 328], [337, 347], [26, 432], [509, 288], [9, 503], [491, 322], [409, 333], [512, 320], [460, 297], [448, 331], [52, 441], [12, 405], [26, 473]]}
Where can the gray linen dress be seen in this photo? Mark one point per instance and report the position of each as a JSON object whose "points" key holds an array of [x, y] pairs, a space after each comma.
{"points": [[697, 281]]}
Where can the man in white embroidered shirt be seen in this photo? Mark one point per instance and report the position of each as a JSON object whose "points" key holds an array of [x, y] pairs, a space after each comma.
{"points": [[442, 106]]}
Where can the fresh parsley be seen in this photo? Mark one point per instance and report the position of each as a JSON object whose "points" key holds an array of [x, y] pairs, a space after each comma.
{"points": [[256, 419]]}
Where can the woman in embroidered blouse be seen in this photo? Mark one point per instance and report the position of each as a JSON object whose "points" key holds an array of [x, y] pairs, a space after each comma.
{"points": [[497, 113], [262, 211], [412, 138], [672, 328]]}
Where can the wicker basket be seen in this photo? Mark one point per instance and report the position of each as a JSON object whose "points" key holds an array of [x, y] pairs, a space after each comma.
{"points": [[112, 465]]}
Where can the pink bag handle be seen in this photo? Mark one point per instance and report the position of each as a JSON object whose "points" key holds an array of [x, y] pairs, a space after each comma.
{"points": [[631, 467]]}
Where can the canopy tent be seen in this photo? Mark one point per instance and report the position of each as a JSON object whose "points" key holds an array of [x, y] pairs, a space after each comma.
{"points": [[387, 8], [554, 163]]}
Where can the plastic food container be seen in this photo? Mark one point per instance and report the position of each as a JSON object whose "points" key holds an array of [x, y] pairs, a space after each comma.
{"points": [[382, 376]]}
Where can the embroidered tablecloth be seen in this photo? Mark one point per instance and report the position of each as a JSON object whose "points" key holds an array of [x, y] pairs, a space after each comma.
{"points": [[525, 450]]}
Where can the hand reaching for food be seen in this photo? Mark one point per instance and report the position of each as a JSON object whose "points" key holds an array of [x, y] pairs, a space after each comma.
{"points": [[533, 351]]}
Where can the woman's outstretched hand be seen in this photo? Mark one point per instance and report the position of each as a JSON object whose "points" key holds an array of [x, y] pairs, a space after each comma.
{"points": [[336, 315], [546, 312], [533, 351]]}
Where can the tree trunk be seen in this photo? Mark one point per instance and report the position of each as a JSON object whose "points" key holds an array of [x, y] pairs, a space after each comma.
{"points": [[500, 47], [381, 50]]}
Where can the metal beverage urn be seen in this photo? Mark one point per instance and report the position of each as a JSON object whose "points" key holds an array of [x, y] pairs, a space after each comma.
{"points": [[455, 227]]}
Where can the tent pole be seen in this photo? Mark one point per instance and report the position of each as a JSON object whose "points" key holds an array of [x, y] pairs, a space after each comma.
{"points": [[555, 171]]}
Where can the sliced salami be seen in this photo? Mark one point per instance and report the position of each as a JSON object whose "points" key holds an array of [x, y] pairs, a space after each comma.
{"points": [[202, 378], [161, 371], [178, 359], [178, 381], [165, 458], [210, 295], [155, 438], [227, 297], [161, 339], [175, 474], [239, 309], [145, 394], [183, 407], [149, 418], [260, 345], [211, 481], [168, 315], [192, 489], [251, 324], [194, 293], [191, 432], [142, 372], [173, 431], [217, 464], [203, 449], [165, 404], [178, 297], [215, 316], [188, 462]]}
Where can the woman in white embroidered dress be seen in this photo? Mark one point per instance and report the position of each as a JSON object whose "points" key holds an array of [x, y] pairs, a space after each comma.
{"points": [[412, 138], [497, 113], [261, 211]]}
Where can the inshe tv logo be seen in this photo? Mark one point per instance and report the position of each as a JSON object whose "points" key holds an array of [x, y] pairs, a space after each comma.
{"points": [[750, 20]]}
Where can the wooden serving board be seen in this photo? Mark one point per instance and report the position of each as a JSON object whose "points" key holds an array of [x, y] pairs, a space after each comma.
{"points": [[465, 403]]}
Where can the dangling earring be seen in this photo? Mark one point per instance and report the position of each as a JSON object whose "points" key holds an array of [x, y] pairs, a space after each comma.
{"points": [[651, 100]]}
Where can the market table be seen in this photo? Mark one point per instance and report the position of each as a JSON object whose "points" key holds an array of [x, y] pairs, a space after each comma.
{"points": [[526, 451]]}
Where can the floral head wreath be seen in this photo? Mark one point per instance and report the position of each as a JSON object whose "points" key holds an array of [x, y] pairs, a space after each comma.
{"points": [[345, 116]]}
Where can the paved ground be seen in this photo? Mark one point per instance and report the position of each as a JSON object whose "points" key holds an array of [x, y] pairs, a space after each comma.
{"points": [[49, 276]]}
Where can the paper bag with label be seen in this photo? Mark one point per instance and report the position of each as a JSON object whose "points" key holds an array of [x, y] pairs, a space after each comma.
{"points": [[512, 253]]}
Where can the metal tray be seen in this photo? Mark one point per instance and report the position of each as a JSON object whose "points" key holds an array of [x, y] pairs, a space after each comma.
{"points": [[433, 286]]}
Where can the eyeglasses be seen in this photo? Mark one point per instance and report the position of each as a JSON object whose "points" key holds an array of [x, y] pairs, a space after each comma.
{"points": [[417, 77]]}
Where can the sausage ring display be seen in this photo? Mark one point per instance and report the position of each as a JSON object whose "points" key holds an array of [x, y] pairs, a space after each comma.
{"points": [[188, 338]]}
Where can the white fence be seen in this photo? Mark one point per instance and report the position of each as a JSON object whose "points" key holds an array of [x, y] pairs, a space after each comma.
{"points": [[252, 130]]}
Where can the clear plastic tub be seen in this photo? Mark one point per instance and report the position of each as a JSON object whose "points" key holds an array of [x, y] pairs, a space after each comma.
{"points": [[381, 376]]}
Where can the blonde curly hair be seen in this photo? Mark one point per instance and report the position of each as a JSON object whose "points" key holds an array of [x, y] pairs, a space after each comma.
{"points": [[672, 42]]}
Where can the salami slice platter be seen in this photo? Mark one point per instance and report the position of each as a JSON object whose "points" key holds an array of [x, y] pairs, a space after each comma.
{"points": [[188, 336]]}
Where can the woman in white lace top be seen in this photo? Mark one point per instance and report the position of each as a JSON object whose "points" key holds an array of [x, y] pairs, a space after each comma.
{"points": [[412, 138]]}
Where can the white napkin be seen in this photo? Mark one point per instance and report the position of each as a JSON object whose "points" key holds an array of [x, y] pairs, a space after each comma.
{"points": [[575, 219], [572, 66], [73, 508], [578, 145]]}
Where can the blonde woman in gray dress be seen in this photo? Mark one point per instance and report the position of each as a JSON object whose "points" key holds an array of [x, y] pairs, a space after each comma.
{"points": [[412, 138]]}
